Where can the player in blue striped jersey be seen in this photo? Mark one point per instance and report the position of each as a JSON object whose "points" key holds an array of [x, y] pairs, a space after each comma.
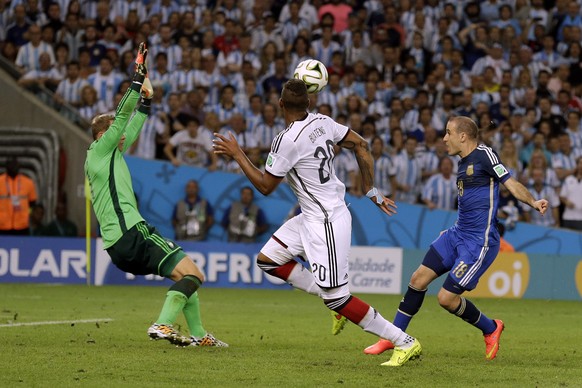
{"points": [[468, 248]]}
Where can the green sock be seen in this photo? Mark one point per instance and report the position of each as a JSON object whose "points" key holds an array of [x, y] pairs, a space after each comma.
{"points": [[173, 304], [192, 314]]}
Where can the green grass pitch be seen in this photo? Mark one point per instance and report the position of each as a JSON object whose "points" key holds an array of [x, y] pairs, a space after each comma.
{"points": [[277, 339]]}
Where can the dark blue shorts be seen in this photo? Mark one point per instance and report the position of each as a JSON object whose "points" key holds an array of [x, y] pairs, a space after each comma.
{"points": [[465, 259]]}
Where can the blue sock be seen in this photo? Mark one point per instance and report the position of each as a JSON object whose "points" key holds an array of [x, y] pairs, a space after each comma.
{"points": [[409, 306], [471, 314]]}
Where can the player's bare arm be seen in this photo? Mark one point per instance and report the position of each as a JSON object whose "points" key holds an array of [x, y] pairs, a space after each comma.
{"points": [[521, 193], [228, 146], [361, 149]]}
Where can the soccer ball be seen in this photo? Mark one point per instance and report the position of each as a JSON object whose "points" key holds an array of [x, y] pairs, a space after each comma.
{"points": [[313, 73]]}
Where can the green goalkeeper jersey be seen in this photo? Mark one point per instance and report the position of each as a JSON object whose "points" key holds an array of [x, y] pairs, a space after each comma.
{"points": [[112, 193]]}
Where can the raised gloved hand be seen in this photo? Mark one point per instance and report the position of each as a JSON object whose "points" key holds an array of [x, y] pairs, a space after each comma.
{"points": [[140, 60]]}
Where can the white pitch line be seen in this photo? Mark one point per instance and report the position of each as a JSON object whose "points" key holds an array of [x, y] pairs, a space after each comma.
{"points": [[56, 322]]}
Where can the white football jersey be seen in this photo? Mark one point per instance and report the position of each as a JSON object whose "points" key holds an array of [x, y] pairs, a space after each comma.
{"points": [[304, 153]]}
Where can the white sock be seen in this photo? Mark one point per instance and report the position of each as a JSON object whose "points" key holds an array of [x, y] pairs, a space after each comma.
{"points": [[302, 279], [376, 324]]}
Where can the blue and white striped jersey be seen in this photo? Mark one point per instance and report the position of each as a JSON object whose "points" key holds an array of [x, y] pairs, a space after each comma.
{"points": [[323, 53], [441, 191], [384, 169], [409, 173], [106, 86], [265, 133], [27, 56], [345, 164], [548, 193], [71, 91], [567, 162]]}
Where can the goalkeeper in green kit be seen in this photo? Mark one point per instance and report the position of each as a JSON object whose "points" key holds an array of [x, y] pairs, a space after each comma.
{"points": [[133, 244]]}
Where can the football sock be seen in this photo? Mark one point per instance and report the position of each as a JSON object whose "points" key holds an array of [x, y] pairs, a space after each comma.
{"points": [[176, 299], [365, 316], [471, 314], [174, 303], [408, 307], [293, 273], [193, 318]]}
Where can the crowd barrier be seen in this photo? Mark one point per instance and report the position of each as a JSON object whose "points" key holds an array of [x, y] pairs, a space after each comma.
{"points": [[373, 269], [159, 185]]}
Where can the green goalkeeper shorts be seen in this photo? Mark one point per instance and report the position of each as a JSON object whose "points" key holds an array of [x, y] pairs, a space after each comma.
{"points": [[142, 251]]}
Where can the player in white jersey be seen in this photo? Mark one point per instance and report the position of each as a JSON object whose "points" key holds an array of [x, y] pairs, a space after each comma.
{"points": [[303, 153]]}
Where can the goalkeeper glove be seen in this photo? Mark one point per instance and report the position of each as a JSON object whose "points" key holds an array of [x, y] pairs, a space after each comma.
{"points": [[140, 63]]}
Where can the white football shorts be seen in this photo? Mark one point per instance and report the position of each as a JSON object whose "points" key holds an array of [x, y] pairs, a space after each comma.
{"points": [[326, 246]]}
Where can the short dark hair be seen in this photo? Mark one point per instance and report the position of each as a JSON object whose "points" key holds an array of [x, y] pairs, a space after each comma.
{"points": [[294, 95], [249, 188]]}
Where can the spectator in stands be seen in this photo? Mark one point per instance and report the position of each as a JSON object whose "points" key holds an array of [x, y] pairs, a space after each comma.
{"points": [[36, 225], [384, 168], [557, 122], [539, 160], [440, 190], [61, 58], [564, 161], [571, 196], [72, 35], [540, 190], [167, 45], [17, 195], [90, 104], [268, 32], [340, 12], [408, 172], [247, 140], [193, 216], [16, 32], [193, 147], [161, 74], [228, 41], [509, 157], [268, 127], [346, 169], [538, 143], [226, 108], [154, 131], [106, 82], [243, 219], [61, 226], [28, 57], [45, 76], [574, 129], [53, 15], [69, 89], [91, 44], [274, 83]]}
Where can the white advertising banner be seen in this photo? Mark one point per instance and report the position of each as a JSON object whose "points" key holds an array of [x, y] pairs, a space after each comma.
{"points": [[375, 270]]}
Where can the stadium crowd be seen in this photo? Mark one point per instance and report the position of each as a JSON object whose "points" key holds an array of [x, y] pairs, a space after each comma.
{"points": [[397, 71]]}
